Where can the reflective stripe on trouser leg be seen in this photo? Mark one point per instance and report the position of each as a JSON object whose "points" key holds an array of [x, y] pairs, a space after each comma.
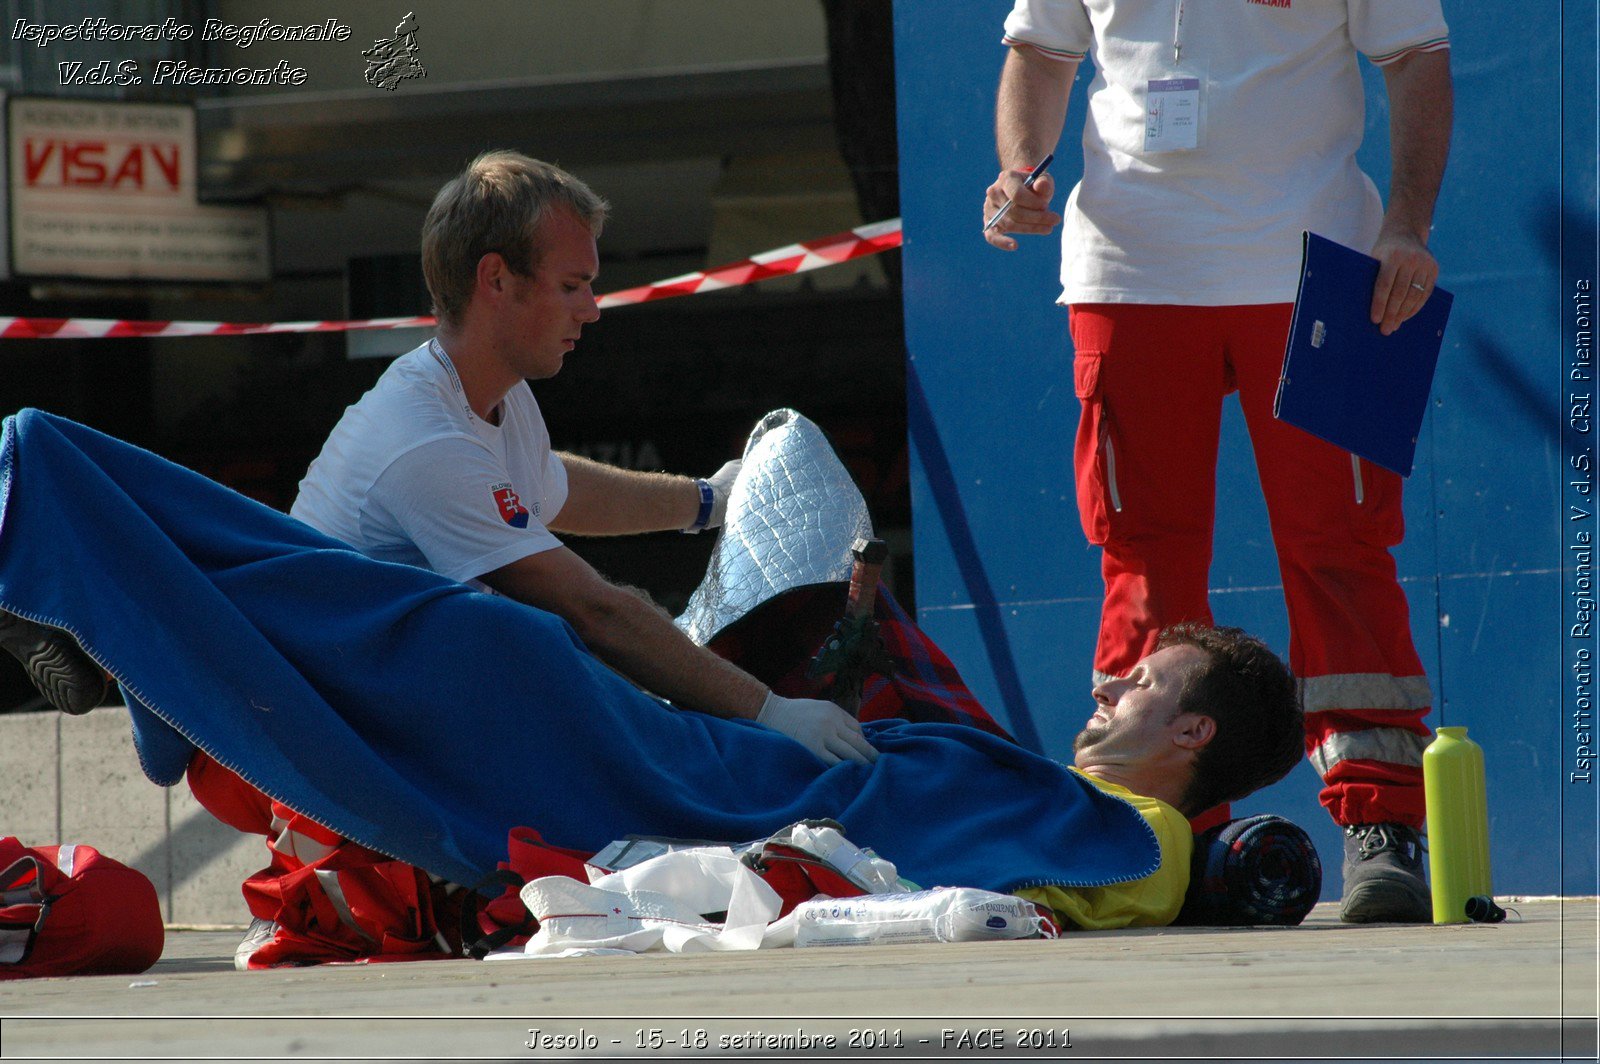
{"points": [[1364, 690], [1349, 622], [1356, 791], [1391, 746], [296, 837], [1364, 737]]}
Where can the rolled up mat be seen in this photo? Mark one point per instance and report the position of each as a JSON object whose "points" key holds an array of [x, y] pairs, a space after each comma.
{"points": [[1255, 870]]}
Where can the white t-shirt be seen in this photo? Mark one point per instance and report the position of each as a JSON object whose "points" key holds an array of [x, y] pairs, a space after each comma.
{"points": [[411, 474], [1280, 118]]}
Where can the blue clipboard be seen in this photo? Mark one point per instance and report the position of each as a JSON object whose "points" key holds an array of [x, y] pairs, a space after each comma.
{"points": [[1342, 379]]}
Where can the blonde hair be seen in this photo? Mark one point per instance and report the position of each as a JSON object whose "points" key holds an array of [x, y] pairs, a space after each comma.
{"points": [[495, 205]]}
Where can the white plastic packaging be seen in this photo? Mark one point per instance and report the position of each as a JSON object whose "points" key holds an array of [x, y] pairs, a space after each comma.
{"points": [[943, 914], [862, 867]]}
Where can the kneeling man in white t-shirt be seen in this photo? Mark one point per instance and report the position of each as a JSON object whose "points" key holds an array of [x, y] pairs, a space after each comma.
{"points": [[446, 462]]}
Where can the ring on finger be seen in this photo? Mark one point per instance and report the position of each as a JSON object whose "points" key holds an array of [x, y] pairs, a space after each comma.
{"points": [[1419, 287]]}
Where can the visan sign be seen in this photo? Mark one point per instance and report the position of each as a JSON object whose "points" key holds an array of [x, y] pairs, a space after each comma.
{"points": [[106, 190]]}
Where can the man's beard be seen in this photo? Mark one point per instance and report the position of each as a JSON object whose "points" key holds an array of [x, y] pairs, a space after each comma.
{"points": [[1091, 734]]}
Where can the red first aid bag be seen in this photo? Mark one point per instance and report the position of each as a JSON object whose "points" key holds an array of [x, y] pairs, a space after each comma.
{"points": [[71, 910]]}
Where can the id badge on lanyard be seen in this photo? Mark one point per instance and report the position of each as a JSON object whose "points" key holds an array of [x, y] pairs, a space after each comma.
{"points": [[1172, 102]]}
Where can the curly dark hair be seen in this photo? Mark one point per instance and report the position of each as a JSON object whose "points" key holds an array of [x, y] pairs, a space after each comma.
{"points": [[1250, 693]]}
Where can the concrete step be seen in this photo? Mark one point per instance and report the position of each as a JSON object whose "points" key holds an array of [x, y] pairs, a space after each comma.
{"points": [[77, 779], [1323, 990]]}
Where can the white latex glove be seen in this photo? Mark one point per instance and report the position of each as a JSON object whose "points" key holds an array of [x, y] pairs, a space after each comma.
{"points": [[821, 727], [721, 484]]}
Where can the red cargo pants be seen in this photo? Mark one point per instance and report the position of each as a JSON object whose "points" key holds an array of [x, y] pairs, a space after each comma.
{"points": [[1151, 380], [331, 899]]}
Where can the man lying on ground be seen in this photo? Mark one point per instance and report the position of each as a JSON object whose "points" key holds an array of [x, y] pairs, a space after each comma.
{"points": [[421, 719], [1210, 717]]}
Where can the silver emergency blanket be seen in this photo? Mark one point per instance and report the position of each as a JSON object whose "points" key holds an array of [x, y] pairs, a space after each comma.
{"points": [[792, 516]]}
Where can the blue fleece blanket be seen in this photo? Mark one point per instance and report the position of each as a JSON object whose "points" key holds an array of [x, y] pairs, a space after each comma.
{"points": [[423, 719]]}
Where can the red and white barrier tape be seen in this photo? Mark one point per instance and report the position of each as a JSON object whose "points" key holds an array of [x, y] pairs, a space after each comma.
{"points": [[780, 262], [115, 328]]}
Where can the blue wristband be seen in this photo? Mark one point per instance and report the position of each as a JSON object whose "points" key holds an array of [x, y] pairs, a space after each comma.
{"points": [[708, 498]]}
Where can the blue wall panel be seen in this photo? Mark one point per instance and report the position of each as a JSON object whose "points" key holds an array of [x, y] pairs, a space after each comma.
{"points": [[1005, 582], [1494, 660]]}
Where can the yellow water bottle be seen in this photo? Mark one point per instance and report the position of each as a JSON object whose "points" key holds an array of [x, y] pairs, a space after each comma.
{"points": [[1458, 824]]}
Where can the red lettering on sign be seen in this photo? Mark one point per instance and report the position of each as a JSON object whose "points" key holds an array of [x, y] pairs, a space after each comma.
{"points": [[96, 164], [35, 156], [167, 165], [81, 165], [132, 169]]}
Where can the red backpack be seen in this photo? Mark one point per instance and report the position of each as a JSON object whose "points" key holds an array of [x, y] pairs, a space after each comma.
{"points": [[71, 910]]}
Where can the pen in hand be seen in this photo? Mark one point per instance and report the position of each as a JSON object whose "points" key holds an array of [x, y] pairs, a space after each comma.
{"points": [[1038, 172]]}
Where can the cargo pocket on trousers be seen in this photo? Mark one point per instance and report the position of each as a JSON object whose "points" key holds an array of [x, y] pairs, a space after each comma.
{"points": [[1094, 458], [1379, 519]]}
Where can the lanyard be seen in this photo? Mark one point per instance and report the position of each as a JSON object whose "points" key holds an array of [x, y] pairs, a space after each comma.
{"points": [[1177, 34], [436, 349]]}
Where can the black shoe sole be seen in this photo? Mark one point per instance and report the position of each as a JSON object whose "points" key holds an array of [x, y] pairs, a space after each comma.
{"points": [[66, 676], [1381, 901]]}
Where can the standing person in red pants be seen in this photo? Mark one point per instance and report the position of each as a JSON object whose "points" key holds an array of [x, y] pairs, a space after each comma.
{"points": [[1218, 130]]}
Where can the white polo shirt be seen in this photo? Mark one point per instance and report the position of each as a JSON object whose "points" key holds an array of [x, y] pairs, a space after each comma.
{"points": [[1281, 116], [410, 474]]}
